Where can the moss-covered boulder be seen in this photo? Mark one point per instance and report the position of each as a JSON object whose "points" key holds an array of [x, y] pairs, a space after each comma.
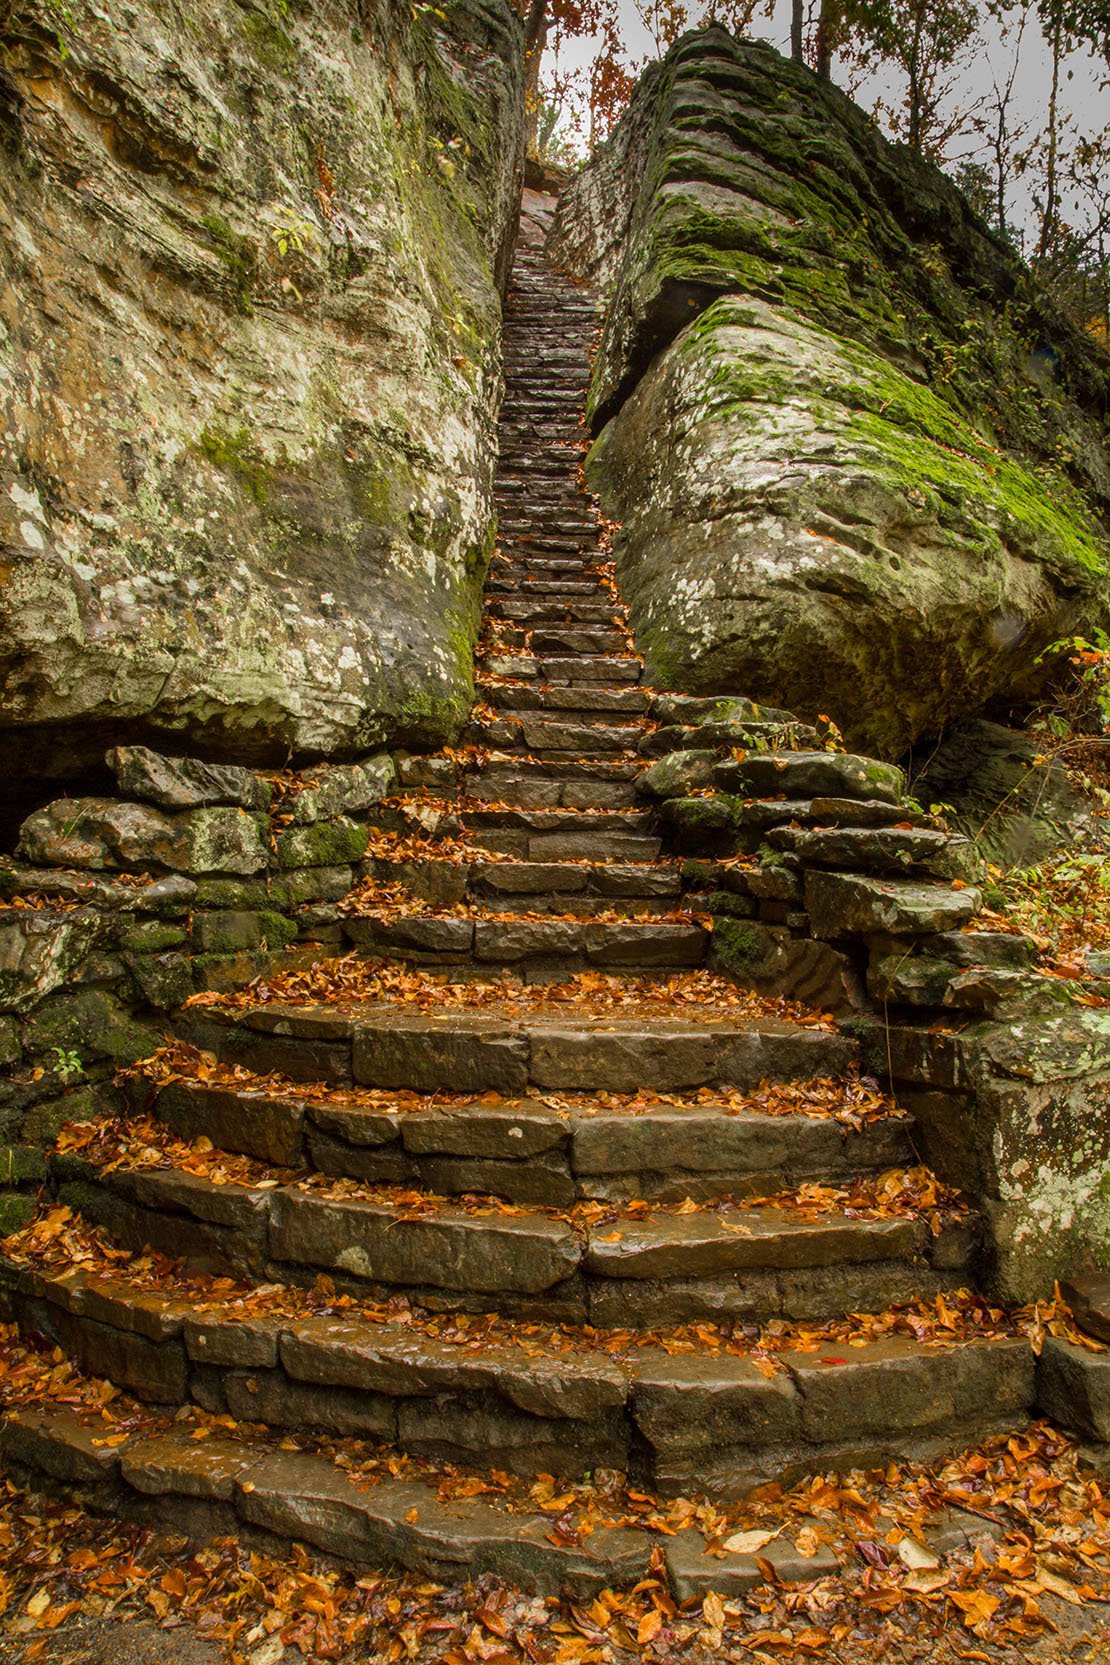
{"points": [[861, 465], [249, 319]]}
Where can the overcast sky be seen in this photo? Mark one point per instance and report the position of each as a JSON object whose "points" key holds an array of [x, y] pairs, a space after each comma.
{"points": [[1086, 98]]}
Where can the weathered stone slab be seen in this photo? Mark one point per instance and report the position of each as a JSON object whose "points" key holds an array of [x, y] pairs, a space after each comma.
{"points": [[1073, 1387], [897, 1384], [268, 1396], [678, 774], [60, 1443], [812, 775], [447, 1249], [620, 1059], [860, 849], [427, 1055], [1088, 1295], [344, 789], [847, 904], [703, 1141], [102, 833], [184, 782], [356, 1354], [685, 1403], [233, 1343], [40, 951], [510, 1131], [702, 1245], [176, 1463], [255, 1124], [641, 944]]}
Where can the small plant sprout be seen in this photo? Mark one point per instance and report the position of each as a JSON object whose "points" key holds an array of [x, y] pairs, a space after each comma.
{"points": [[67, 1063]]}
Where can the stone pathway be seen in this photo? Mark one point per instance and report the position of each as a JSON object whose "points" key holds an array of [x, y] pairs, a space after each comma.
{"points": [[532, 1201]]}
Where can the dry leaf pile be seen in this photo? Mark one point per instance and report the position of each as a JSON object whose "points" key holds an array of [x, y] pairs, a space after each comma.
{"points": [[1028, 1586], [853, 1102], [353, 981]]}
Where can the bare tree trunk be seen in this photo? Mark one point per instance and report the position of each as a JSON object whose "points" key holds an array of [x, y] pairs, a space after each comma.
{"points": [[797, 30], [1052, 155], [827, 21], [535, 39]]}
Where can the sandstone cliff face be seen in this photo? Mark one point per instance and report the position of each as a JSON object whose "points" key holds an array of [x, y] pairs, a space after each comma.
{"points": [[249, 320], [861, 465]]}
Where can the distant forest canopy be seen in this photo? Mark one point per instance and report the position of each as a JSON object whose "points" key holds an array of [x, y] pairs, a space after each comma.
{"points": [[1011, 97]]}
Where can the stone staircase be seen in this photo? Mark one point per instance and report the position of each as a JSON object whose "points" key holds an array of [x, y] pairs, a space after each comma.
{"points": [[581, 1205]]}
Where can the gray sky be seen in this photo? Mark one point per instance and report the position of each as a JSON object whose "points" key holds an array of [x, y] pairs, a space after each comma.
{"points": [[1086, 99]]}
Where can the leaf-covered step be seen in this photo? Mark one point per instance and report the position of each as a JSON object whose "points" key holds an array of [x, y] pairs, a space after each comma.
{"points": [[564, 834], [576, 733], [230, 1483], [504, 1046], [509, 884], [563, 946], [522, 695], [549, 1152], [800, 1256], [679, 1409]]}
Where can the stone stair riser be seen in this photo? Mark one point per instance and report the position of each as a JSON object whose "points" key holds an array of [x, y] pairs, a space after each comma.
{"points": [[671, 1423]]}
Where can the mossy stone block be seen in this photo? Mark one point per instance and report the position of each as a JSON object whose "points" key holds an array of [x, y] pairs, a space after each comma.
{"points": [[11, 1046], [162, 980], [323, 844], [16, 1211], [91, 1023], [21, 1165], [151, 937]]}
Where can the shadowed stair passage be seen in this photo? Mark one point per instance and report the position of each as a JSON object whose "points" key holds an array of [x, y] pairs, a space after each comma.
{"points": [[522, 1184]]}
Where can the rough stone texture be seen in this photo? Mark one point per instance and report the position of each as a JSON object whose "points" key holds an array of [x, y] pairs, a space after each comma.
{"points": [[248, 375], [183, 782], [1042, 1133], [826, 500], [101, 833], [39, 953], [843, 904], [1018, 805]]}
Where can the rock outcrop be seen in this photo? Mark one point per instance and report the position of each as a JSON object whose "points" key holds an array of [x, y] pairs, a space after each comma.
{"points": [[832, 408], [249, 325]]}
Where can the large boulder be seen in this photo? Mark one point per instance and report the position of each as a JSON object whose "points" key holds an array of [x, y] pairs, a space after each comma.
{"points": [[825, 429], [249, 317]]}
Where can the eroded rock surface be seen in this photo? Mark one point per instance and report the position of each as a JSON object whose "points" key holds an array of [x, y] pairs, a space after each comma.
{"points": [[249, 322], [824, 425]]}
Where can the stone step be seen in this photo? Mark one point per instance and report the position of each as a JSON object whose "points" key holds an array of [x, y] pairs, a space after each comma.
{"points": [[540, 696], [547, 614], [525, 520], [566, 846], [734, 1262], [230, 1484], [572, 731], [543, 783], [563, 835], [559, 947], [500, 883], [515, 787], [532, 1151], [697, 1424], [577, 639], [503, 1050], [632, 823], [549, 586], [554, 668]]}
